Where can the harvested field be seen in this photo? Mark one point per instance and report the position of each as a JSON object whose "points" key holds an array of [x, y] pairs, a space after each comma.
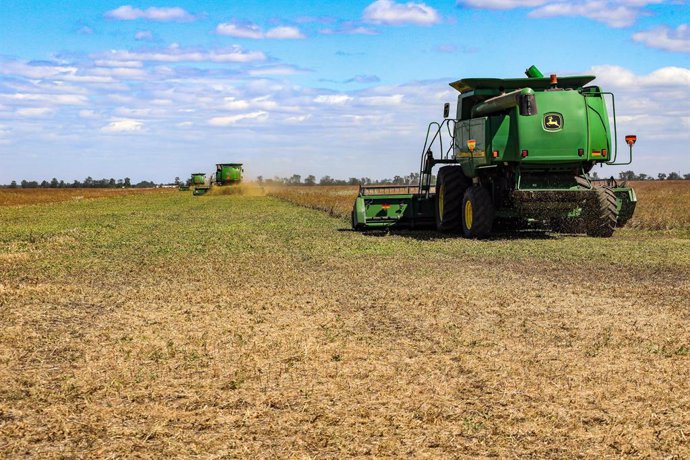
{"points": [[23, 197], [224, 326]]}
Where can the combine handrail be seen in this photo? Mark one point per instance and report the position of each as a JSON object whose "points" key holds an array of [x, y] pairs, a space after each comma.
{"points": [[445, 154], [612, 161]]}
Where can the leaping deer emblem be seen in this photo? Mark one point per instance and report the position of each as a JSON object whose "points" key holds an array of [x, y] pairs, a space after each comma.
{"points": [[552, 122]]}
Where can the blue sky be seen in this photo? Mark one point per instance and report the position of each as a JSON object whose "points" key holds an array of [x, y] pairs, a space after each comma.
{"points": [[158, 89]]}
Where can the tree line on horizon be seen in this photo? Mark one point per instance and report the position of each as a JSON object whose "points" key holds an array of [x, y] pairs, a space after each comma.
{"points": [[413, 179], [630, 175], [89, 182], [295, 179]]}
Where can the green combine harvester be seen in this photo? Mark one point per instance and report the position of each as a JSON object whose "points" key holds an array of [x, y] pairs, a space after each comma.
{"points": [[199, 184], [517, 154], [228, 173]]}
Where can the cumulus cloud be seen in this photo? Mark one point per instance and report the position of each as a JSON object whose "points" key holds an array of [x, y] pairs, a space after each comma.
{"points": [[51, 98], [240, 30], [252, 31], [129, 13], [664, 77], [392, 13], [332, 99], [500, 4], [615, 13], [141, 35], [284, 33], [125, 125], [395, 99], [348, 28], [666, 39], [177, 54], [232, 119], [363, 79], [35, 112]]}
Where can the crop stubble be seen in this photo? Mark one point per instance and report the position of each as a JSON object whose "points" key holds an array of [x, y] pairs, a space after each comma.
{"points": [[237, 326]]}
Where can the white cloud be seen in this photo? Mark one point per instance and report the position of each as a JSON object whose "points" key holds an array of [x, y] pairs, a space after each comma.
{"points": [[129, 13], [240, 31], [275, 70], [35, 71], [116, 63], [501, 4], [125, 73], [176, 54], [395, 99], [234, 104], [390, 12], [666, 39], [348, 28], [124, 125], [87, 114], [284, 33], [56, 99], [332, 99], [35, 112], [621, 77], [252, 31], [143, 35], [298, 119], [615, 13], [232, 119]]}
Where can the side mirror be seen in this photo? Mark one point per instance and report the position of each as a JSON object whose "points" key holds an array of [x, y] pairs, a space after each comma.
{"points": [[446, 110]]}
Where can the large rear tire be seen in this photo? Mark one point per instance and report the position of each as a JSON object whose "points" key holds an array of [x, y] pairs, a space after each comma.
{"points": [[603, 215], [477, 212], [451, 184], [355, 225]]}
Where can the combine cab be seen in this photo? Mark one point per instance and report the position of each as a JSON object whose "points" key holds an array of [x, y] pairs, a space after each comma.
{"points": [[199, 184], [518, 152]]}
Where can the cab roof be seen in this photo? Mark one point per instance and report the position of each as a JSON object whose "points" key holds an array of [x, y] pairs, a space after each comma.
{"points": [[469, 84]]}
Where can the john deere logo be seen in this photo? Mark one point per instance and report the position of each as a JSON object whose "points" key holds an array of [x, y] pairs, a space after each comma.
{"points": [[553, 121]]}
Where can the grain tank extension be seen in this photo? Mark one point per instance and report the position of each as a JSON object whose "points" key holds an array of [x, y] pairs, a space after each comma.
{"points": [[228, 173], [517, 153]]}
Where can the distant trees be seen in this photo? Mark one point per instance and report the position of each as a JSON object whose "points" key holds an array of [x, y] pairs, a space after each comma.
{"points": [[630, 175], [296, 179], [89, 182]]}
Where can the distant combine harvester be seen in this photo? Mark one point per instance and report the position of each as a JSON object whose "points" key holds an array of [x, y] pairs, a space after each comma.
{"points": [[226, 174]]}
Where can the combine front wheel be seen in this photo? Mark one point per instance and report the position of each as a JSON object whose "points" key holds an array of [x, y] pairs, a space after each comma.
{"points": [[603, 215], [450, 187], [477, 212]]}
